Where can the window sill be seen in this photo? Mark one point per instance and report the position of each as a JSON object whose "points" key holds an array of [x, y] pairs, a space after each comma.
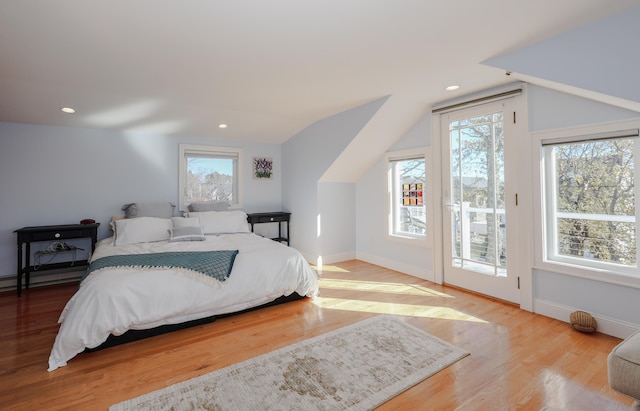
{"points": [[409, 240], [594, 274]]}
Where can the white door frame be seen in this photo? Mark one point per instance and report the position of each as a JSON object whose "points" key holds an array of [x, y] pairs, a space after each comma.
{"points": [[522, 217]]}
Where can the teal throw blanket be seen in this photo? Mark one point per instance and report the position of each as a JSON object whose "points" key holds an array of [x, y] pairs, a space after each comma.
{"points": [[215, 264]]}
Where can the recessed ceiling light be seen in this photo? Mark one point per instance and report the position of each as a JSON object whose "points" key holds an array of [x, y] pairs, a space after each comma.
{"points": [[68, 110], [452, 88], [222, 125]]}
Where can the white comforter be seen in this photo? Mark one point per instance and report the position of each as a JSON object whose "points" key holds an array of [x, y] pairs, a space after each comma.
{"points": [[116, 300]]}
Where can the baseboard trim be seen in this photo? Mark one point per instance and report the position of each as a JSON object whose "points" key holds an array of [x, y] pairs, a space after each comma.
{"points": [[606, 325], [328, 259], [336, 258], [42, 279], [413, 270]]}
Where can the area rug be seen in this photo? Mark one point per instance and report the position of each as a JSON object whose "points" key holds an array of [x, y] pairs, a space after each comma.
{"points": [[357, 367]]}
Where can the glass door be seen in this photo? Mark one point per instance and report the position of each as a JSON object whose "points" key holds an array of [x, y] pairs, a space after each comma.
{"points": [[478, 196]]}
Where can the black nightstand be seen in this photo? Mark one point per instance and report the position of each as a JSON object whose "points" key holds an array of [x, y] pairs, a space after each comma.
{"points": [[28, 235], [274, 217]]}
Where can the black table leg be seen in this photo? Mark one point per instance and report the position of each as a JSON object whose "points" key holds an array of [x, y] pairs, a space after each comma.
{"points": [[19, 271]]}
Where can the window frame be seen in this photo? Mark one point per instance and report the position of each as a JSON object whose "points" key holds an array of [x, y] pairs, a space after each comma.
{"points": [[392, 195], [543, 219], [211, 152]]}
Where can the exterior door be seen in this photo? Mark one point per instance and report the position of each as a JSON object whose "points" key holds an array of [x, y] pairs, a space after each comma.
{"points": [[479, 196]]}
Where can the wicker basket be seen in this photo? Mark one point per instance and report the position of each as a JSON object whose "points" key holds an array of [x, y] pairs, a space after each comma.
{"points": [[583, 321]]}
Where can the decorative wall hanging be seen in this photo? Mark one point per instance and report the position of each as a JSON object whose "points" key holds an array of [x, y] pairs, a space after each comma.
{"points": [[262, 168], [412, 194]]}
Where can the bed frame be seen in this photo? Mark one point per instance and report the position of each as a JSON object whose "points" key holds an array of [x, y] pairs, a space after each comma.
{"points": [[134, 335]]}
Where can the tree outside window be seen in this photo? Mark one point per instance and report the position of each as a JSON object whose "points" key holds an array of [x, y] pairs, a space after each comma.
{"points": [[209, 179], [209, 174], [594, 201]]}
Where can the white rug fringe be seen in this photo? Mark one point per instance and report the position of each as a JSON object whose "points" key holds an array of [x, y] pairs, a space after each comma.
{"points": [[184, 272]]}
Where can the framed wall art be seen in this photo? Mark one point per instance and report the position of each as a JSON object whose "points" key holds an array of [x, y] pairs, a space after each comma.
{"points": [[262, 168]]}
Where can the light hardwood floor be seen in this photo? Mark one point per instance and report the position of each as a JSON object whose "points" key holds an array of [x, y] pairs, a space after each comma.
{"points": [[518, 361]]}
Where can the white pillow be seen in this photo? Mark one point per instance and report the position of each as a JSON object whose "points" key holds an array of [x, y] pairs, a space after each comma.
{"points": [[222, 222], [142, 230], [179, 222]]}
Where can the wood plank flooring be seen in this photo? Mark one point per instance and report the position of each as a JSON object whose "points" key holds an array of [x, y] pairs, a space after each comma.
{"points": [[518, 361]]}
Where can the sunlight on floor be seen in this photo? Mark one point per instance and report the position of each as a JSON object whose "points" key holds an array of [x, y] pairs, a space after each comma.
{"points": [[330, 268], [378, 307], [377, 286], [386, 291]]}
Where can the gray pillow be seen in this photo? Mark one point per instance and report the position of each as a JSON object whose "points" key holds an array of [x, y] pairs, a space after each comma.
{"points": [[209, 206], [186, 234], [160, 210]]}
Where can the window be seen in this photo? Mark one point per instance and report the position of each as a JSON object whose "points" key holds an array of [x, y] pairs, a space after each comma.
{"points": [[590, 201], [209, 174], [407, 194]]}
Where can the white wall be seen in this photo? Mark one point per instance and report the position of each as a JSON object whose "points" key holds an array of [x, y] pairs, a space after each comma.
{"points": [[372, 243], [60, 175], [337, 215], [307, 156], [549, 109], [600, 57]]}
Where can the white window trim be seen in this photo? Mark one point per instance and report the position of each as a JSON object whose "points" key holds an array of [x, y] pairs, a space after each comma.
{"points": [[427, 239], [212, 151], [540, 260]]}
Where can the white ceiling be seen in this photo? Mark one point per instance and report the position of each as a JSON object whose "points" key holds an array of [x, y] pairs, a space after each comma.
{"points": [[266, 68]]}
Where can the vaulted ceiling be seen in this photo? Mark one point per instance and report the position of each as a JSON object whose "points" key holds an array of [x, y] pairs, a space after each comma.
{"points": [[267, 69]]}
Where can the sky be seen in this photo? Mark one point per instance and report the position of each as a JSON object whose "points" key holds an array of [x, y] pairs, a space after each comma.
{"points": [[209, 165]]}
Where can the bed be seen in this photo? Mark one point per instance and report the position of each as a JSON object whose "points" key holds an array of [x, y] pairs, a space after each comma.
{"points": [[143, 278]]}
